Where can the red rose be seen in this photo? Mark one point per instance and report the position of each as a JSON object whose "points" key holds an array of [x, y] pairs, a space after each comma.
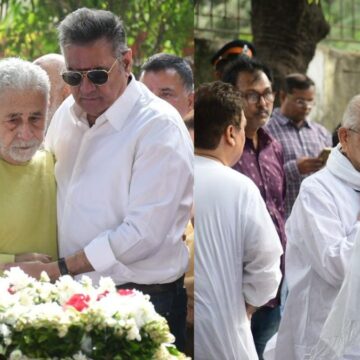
{"points": [[102, 295], [11, 290], [125, 292], [79, 301]]}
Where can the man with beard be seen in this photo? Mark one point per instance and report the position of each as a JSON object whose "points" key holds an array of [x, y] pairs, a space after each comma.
{"points": [[27, 183], [262, 161]]}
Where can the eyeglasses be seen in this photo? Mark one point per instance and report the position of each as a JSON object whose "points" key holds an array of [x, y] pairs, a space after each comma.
{"points": [[96, 76], [304, 103], [253, 97]]}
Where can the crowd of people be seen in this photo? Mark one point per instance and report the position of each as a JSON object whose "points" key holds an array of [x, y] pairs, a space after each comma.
{"points": [[106, 175]]}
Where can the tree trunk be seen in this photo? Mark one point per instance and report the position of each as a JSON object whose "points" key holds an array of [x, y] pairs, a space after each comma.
{"points": [[285, 34]]}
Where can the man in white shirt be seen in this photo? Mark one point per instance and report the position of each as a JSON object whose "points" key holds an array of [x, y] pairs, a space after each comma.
{"points": [[123, 169], [321, 232], [237, 247]]}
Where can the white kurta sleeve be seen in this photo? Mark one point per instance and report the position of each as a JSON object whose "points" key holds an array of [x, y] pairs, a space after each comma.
{"points": [[262, 251], [315, 221]]}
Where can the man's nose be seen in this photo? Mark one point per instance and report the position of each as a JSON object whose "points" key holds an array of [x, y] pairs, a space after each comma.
{"points": [[25, 132], [86, 86]]}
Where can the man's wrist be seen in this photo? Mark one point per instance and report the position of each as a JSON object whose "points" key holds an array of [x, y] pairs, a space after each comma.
{"points": [[63, 269], [52, 270]]}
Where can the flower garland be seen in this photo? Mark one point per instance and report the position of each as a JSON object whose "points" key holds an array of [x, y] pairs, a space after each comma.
{"points": [[75, 320]]}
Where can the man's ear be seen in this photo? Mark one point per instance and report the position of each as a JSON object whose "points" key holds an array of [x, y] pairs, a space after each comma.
{"points": [[282, 96], [343, 135], [66, 91], [230, 135], [127, 61]]}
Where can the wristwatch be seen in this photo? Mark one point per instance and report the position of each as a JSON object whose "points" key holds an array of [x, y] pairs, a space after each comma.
{"points": [[63, 267]]}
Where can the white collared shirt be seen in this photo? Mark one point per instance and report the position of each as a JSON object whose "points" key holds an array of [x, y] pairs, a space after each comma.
{"points": [[124, 187]]}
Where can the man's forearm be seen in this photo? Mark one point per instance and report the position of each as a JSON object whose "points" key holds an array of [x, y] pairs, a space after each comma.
{"points": [[78, 263]]}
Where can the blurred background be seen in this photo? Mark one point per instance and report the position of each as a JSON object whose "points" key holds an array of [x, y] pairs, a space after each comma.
{"points": [[317, 37], [28, 27]]}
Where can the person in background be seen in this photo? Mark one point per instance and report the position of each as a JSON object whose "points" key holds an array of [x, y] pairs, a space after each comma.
{"points": [[321, 232], [54, 65], [263, 162], [124, 170], [237, 248], [229, 52], [170, 78], [27, 182], [302, 140]]}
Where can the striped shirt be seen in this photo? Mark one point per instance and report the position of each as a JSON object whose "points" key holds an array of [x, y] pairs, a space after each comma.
{"points": [[307, 141]]}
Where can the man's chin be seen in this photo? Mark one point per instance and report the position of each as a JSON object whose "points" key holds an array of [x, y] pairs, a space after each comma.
{"points": [[22, 156]]}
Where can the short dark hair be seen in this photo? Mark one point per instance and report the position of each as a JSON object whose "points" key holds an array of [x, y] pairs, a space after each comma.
{"points": [[163, 61], [296, 81], [244, 64], [84, 26], [217, 105]]}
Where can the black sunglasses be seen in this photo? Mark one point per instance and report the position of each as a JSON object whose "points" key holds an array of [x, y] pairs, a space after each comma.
{"points": [[96, 76]]}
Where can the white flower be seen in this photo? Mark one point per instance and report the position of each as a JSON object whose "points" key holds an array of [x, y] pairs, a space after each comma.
{"points": [[19, 279], [80, 356], [4, 330], [17, 355], [43, 309]]}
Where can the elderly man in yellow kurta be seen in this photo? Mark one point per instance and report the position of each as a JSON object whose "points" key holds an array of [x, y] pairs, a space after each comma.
{"points": [[27, 185]]}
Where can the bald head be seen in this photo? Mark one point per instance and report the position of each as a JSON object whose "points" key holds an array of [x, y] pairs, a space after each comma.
{"points": [[54, 65]]}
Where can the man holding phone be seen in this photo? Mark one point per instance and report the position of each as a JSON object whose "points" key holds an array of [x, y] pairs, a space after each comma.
{"points": [[302, 140]]}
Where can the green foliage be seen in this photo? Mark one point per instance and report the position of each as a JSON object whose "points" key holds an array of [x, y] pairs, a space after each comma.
{"points": [[45, 342], [310, 2], [28, 27], [105, 345]]}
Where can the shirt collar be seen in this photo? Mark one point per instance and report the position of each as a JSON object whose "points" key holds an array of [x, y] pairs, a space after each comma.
{"points": [[118, 112], [283, 120], [263, 137]]}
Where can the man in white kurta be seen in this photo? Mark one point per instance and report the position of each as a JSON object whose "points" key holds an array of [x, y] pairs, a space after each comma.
{"points": [[321, 232], [237, 256], [237, 260]]}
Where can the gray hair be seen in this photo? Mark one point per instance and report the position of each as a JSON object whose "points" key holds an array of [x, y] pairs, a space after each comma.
{"points": [[18, 74], [84, 26], [351, 117]]}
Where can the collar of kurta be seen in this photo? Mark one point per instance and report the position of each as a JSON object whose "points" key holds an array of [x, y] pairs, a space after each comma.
{"points": [[285, 121], [341, 167]]}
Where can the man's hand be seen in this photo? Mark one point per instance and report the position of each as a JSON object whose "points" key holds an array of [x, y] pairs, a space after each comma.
{"points": [[34, 268], [33, 257], [307, 165], [250, 310]]}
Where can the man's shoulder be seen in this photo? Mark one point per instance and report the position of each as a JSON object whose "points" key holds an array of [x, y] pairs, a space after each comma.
{"points": [[319, 127], [43, 157]]}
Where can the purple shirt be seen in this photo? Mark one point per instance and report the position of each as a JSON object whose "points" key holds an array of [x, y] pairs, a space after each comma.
{"points": [[265, 166], [309, 140]]}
